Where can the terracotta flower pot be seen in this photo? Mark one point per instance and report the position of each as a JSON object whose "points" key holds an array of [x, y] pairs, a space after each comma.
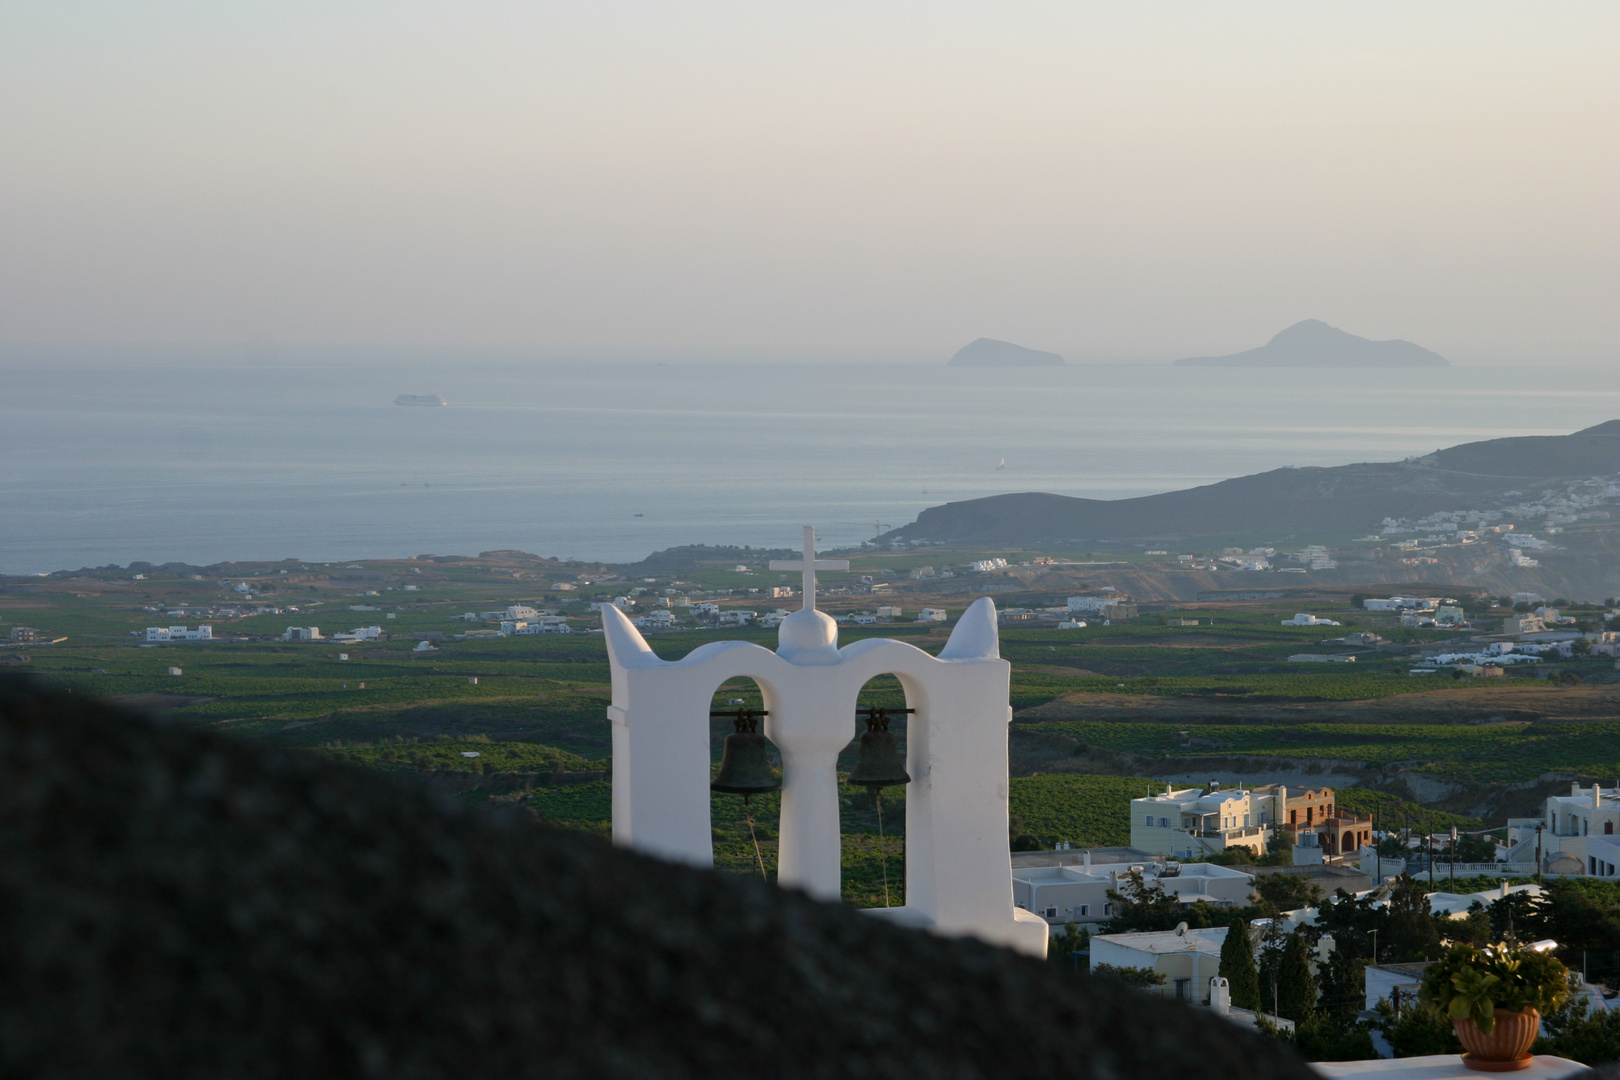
{"points": [[1506, 1048]]}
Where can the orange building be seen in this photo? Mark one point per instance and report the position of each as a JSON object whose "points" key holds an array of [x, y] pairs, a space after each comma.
{"points": [[1314, 810]]}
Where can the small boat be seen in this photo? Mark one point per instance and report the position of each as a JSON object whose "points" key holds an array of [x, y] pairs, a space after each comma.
{"points": [[641, 515], [1001, 465], [420, 399]]}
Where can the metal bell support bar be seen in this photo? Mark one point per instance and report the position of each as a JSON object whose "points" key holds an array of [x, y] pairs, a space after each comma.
{"points": [[879, 764], [745, 769]]}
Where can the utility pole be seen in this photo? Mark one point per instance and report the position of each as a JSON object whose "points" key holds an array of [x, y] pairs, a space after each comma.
{"points": [[1539, 827], [1428, 829], [1454, 855], [1375, 946]]}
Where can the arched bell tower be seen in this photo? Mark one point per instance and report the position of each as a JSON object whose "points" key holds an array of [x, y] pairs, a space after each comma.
{"points": [[958, 866]]}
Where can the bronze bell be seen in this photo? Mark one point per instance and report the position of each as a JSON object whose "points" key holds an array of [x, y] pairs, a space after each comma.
{"points": [[744, 767], [879, 764]]}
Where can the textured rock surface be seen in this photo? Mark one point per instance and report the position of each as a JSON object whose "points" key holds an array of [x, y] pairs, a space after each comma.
{"points": [[176, 904]]}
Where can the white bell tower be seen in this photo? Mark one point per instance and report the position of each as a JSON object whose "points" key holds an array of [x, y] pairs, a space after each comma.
{"points": [[958, 866]]}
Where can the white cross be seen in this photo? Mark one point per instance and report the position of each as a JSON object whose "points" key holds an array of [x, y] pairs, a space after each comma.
{"points": [[810, 564]]}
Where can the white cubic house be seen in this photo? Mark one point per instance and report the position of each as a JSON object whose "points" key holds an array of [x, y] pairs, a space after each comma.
{"points": [[1187, 959], [1579, 833], [1079, 894], [1190, 823], [179, 633]]}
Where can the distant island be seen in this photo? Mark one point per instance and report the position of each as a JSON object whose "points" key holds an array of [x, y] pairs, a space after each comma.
{"points": [[1315, 344], [988, 352]]}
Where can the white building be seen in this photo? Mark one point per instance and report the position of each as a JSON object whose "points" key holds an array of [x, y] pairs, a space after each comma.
{"points": [[302, 633], [930, 614], [1305, 619], [1456, 905], [520, 611], [1398, 603], [1091, 605], [889, 612], [1079, 894], [1190, 823], [359, 633], [1187, 959], [1579, 833], [737, 617], [179, 633]]}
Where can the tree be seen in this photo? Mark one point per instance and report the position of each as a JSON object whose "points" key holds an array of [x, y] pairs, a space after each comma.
{"points": [[1475, 849], [1391, 846], [1320, 1038], [1140, 977], [1416, 1032], [1140, 906], [1412, 933], [1344, 988], [1353, 921], [1574, 1033], [1518, 917], [1062, 950], [1237, 966], [1579, 921], [1232, 856], [1475, 928], [1287, 892], [1296, 989], [1279, 850]]}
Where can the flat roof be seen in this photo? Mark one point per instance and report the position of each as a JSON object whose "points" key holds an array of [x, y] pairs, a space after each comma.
{"points": [[1168, 941]]}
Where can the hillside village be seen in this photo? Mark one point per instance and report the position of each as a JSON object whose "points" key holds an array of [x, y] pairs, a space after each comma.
{"points": [[1324, 881]]}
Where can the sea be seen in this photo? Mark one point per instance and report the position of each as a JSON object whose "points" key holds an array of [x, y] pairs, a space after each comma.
{"points": [[210, 462]]}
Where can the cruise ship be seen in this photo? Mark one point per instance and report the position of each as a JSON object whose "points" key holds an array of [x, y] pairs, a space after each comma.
{"points": [[420, 399]]}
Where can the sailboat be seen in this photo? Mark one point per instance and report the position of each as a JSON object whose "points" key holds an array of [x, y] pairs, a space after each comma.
{"points": [[1001, 465]]}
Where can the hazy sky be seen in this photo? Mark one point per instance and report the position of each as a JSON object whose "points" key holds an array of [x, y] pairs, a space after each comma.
{"points": [[1107, 180]]}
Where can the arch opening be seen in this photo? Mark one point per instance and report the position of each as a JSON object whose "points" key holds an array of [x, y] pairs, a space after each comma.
{"points": [[872, 832], [745, 834]]}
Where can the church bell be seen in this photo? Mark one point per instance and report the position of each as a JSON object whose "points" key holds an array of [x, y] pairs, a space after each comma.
{"points": [[744, 767], [879, 764]]}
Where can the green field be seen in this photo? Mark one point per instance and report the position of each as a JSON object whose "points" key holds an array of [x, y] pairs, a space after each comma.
{"points": [[532, 708]]}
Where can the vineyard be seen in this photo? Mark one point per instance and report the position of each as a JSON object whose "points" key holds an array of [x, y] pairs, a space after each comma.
{"points": [[1484, 753], [1092, 811], [533, 708], [1329, 686]]}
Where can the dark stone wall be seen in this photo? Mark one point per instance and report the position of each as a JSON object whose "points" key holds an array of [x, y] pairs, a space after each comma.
{"points": [[176, 904]]}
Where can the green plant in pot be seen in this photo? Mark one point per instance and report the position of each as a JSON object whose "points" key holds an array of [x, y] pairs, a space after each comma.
{"points": [[1494, 998]]}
